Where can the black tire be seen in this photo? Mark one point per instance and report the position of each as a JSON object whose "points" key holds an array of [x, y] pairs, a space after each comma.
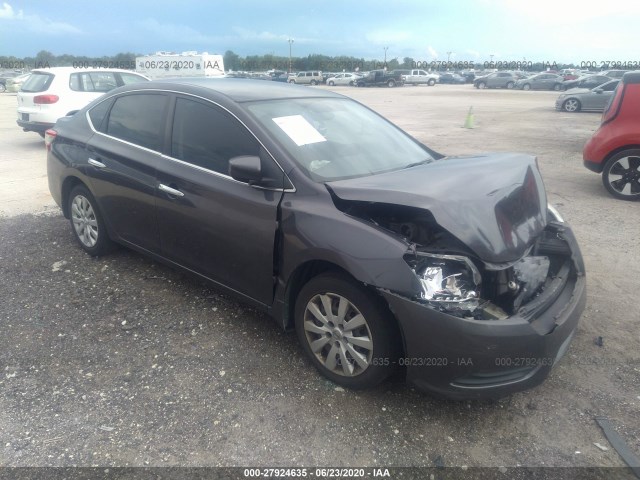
{"points": [[313, 82], [571, 105], [526, 86], [391, 83], [292, 81], [482, 85], [557, 87], [431, 82], [331, 83], [377, 329], [3, 88], [351, 83], [510, 85], [86, 222], [621, 175]]}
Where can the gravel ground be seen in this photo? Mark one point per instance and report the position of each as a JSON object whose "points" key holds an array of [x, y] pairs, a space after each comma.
{"points": [[121, 361]]}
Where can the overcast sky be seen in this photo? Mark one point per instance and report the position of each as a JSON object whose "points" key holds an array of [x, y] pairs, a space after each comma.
{"points": [[535, 30]]}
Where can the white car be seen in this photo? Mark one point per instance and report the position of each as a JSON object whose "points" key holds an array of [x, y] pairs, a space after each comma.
{"points": [[343, 79], [52, 93]]}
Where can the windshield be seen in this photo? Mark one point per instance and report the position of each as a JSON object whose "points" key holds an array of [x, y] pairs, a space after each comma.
{"points": [[333, 138]]}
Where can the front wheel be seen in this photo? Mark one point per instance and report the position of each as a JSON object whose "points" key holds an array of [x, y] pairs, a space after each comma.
{"points": [[346, 331], [482, 85], [526, 86], [86, 222], [557, 87], [313, 82], [621, 175], [331, 83], [391, 83], [571, 105], [510, 85], [431, 82]]}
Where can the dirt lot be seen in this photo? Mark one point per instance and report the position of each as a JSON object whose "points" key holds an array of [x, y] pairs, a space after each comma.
{"points": [[120, 361]]}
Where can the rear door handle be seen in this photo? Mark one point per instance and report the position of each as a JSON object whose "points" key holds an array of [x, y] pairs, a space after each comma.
{"points": [[171, 191], [96, 163]]}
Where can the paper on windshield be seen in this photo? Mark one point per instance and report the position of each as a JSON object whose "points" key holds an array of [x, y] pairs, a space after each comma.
{"points": [[299, 130]]}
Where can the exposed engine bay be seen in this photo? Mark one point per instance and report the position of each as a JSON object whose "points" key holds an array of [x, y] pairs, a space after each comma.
{"points": [[454, 279]]}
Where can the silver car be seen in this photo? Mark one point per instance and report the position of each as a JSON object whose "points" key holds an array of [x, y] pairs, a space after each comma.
{"points": [[343, 79], [594, 100]]}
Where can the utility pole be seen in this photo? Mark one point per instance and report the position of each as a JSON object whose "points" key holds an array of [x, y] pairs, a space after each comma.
{"points": [[385, 55], [290, 42], [448, 57]]}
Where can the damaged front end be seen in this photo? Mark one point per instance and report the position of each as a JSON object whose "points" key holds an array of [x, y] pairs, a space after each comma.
{"points": [[467, 287], [455, 280]]}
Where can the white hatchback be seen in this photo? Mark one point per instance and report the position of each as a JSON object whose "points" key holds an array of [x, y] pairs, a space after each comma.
{"points": [[52, 93]]}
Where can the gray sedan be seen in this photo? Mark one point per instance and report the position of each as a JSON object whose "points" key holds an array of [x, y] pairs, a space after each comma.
{"points": [[593, 100], [543, 81]]}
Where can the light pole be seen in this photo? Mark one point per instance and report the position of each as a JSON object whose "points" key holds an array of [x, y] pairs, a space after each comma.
{"points": [[290, 42], [448, 57], [385, 56]]}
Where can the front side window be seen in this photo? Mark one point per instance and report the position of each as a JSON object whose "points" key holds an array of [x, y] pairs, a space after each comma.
{"points": [[206, 136], [332, 139], [139, 119], [128, 78]]}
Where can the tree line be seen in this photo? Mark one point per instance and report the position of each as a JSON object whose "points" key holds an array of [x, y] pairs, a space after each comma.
{"points": [[256, 63]]}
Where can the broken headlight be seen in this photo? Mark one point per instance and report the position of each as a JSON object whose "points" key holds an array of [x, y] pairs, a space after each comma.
{"points": [[449, 282]]}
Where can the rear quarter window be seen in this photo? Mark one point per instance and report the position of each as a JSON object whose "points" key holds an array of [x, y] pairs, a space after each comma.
{"points": [[38, 82]]}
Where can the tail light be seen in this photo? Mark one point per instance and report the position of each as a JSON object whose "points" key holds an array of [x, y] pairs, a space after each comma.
{"points": [[614, 104], [49, 136], [45, 99]]}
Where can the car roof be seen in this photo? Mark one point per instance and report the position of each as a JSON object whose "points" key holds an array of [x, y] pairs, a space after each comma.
{"points": [[631, 77], [237, 89]]}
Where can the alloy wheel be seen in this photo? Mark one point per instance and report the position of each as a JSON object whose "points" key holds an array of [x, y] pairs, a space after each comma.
{"points": [[85, 222], [338, 334]]}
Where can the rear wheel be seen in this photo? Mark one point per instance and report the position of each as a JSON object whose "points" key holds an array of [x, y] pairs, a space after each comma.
{"points": [[391, 83], [510, 84], [86, 222], [557, 87], [482, 85], [313, 82], [431, 82], [571, 105], [346, 331], [331, 83], [621, 175]]}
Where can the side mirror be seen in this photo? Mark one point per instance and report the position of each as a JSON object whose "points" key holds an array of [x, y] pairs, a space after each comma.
{"points": [[598, 90], [246, 169]]}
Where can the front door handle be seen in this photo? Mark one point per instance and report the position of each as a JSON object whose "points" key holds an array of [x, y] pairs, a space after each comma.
{"points": [[96, 163], [171, 191]]}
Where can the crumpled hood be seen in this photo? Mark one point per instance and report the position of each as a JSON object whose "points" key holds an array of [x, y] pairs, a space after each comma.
{"points": [[494, 203]]}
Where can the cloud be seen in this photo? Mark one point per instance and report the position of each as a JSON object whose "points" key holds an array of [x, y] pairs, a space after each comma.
{"points": [[386, 36], [170, 32], [35, 23], [7, 12]]}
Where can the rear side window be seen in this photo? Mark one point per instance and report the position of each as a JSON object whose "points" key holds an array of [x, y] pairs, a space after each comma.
{"points": [[92, 81], [139, 119], [38, 82], [208, 137]]}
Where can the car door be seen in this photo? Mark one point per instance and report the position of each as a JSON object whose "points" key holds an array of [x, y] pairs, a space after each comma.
{"points": [[122, 159], [597, 101], [208, 222]]}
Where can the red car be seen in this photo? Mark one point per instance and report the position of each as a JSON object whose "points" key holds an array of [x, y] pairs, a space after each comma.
{"points": [[614, 149]]}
